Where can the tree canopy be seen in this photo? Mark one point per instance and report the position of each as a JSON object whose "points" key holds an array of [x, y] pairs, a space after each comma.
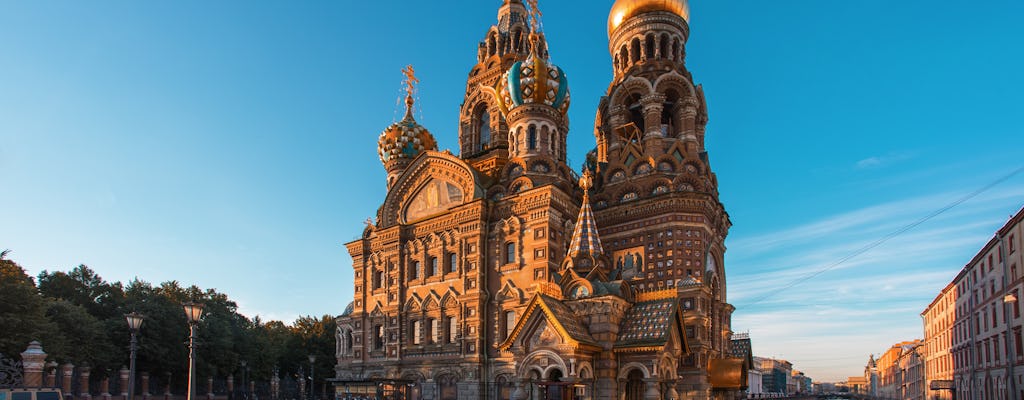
{"points": [[79, 318]]}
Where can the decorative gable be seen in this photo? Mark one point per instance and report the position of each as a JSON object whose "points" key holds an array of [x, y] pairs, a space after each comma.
{"points": [[546, 321]]}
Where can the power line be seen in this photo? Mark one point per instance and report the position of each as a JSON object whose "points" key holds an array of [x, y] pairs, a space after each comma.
{"points": [[886, 238]]}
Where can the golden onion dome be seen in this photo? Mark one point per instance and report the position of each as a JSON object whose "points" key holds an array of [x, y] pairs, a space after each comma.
{"points": [[405, 138], [622, 10]]}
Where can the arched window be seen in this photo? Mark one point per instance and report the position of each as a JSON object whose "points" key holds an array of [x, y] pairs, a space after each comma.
{"points": [[417, 326], [453, 262], [531, 138], [510, 323], [485, 129], [453, 329], [433, 267], [348, 342], [414, 270], [435, 330], [378, 276], [510, 253], [636, 113], [378, 339]]}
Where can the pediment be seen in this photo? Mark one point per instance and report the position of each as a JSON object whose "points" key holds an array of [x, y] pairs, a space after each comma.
{"points": [[433, 183], [433, 197], [547, 322]]}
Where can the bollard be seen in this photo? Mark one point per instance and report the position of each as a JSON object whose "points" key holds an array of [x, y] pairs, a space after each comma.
{"points": [[33, 359]]}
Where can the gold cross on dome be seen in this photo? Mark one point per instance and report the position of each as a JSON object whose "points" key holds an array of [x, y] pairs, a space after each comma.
{"points": [[410, 79], [586, 180], [535, 15]]}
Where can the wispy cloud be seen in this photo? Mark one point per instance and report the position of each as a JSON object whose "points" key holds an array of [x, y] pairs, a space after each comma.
{"points": [[883, 160], [867, 303]]}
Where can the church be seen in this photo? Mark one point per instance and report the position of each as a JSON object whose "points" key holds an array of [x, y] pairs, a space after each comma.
{"points": [[500, 272]]}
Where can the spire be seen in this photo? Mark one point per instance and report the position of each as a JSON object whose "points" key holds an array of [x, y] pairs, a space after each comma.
{"points": [[585, 240]]}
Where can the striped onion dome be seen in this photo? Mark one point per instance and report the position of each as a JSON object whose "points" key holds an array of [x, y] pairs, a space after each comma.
{"points": [[405, 138]]}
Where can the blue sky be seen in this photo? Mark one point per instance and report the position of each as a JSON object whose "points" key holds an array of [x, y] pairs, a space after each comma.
{"points": [[233, 144]]}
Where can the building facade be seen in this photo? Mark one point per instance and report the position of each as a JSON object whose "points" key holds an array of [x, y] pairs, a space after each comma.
{"points": [[899, 369], [938, 321], [484, 275], [910, 370], [987, 349], [776, 376]]}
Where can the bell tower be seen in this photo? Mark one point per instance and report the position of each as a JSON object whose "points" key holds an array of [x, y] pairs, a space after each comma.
{"points": [[652, 169], [653, 96], [483, 131]]}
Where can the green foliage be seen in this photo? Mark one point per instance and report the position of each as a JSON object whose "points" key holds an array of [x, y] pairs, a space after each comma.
{"points": [[79, 318], [22, 310]]}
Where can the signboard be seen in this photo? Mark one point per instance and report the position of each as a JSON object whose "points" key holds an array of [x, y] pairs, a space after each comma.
{"points": [[941, 385]]}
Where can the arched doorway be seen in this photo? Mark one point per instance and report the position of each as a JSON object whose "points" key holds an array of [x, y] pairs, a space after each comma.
{"points": [[503, 387], [635, 385], [555, 389], [448, 388], [534, 385]]}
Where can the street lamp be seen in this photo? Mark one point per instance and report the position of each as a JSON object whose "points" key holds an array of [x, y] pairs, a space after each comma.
{"points": [[1009, 300], [134, 324], [193, 311], [312, 382], [245, 388]]}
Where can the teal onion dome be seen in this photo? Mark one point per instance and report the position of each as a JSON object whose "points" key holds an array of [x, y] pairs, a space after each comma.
{"points": [[534, 80]]}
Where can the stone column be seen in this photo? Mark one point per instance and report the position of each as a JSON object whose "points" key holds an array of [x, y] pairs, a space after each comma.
{"points": [[123, 375], [66, 371], [653, 104], [51, 375], [33, 359], [275, 385], [520, 392], [671, 393], [105, 388], [83, 382], [145, 385], [653, 392], [167, 387]]}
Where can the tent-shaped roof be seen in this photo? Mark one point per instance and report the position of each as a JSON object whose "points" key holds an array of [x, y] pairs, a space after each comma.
{"points": [[649, 323]]}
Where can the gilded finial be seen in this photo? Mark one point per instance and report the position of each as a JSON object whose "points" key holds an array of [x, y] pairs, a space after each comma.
{"points": [[410, 86], [410, 79], [586, 180], [535, 15]]}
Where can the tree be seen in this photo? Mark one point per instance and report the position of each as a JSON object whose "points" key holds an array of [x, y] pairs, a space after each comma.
{"points": [[316, 337], [22, 310], [82, 286], [82, 338]]}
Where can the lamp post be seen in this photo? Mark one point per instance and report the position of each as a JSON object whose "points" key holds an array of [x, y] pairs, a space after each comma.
{"points": [[1009, 300], [134, 324], [245, 389], [193, 311], [312, 382]]}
